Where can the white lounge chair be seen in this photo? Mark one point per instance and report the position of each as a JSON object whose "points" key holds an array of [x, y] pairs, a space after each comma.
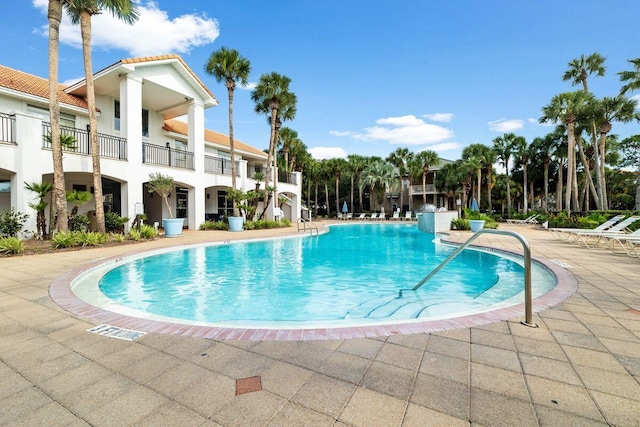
{"points": [[338, 215], [362, 216], [382, 216], [526, 221], [407, 216], [592, 237], [629, 243], [564, 233], [348, 217], [374, 216], [396, 216]]}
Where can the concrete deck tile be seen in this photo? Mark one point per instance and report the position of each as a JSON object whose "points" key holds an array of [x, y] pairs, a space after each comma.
{"points": [[549, 417], [251, 409], [623, 348], [442, 395], [449, 347], [539, 348], [563, 397], [296, 415], [346, 367], [150, 367], [492, 409], [597, 359], [11, 382], [208, 395], [589, 341], [366, 408], [176, 379], [511, 383], [74, 379], [492, 339], [172, 414], [418, 416], [388, 379], [549, 368], [21, 404], [363, 347], [49, 415], [324, 394], [417, 341], [617, 384], [447, 367], [138, 402], [618, 410], [284, 379], [94, 396], [403, 357], [495, 357]]}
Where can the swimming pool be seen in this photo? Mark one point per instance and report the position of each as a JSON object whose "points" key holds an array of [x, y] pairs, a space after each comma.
{"points": [[350, 276]]}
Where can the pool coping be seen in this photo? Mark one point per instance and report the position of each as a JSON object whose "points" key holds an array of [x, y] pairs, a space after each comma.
{"points": [[62, 295]]}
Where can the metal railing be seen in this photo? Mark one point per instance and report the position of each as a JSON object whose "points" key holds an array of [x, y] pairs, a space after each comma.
{"points": [[112, 147], [7, 128], [287, 177], [527, 269], [417, 189], [307, 225], [219, 165], [166, 156]]}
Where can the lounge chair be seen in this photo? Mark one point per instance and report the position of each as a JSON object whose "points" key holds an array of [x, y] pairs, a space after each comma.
{"points": [[529, 220], [407, 216], [587, 236], [362, 216], [396, 216], [382, 216], [564, 233], [629, 243], [374, 216], [338, 215], [348, 217]]}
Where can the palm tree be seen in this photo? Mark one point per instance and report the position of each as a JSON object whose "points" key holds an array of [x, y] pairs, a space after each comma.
{"points": [[610, 109], [81, 11], [428, 159], [504, 147], [399, 159], [631, 155], [378, 175], [58, 193], [564, 108], [542, 148], [631, 77], [287, 138], [41, 189], [228, 65], [356, 164], [414, 171], [272, 96], [522, 152], [578, 72], [487, 157], [337, 166], [449, 178]]}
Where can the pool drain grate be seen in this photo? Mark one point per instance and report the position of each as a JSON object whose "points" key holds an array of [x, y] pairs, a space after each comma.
{"points": [[116, 332]]}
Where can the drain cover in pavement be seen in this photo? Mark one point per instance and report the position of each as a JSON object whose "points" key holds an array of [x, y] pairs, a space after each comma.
{"points": [[561, 263], [248, 385], [116, 332]]}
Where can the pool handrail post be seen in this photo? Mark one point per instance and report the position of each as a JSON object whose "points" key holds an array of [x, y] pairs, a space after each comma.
{"points": [[528, 315]]}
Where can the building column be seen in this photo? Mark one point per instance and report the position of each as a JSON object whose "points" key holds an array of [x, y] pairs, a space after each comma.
{"points": [[131, 129], [195, 144]]}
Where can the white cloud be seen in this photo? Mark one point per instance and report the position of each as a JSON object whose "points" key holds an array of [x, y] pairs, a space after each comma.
{"points": [[249, 86], [445, 146], [537, 122], [503, 125], [406, 130], [320, 153], [439, 117], [154, 33], [341, 133], [71, 81]]}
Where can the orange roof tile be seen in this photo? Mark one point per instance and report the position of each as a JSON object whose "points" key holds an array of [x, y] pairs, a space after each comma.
{"points": [[37, 86], [181, 128]]}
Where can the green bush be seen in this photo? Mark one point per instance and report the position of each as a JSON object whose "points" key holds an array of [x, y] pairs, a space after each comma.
{"points": [[79, 223], [460, 224], [116, 237], [65, 239], [11, 245], [148, 232], [11, 222], [113, 222], [263, 224], [134, 235], [489, 222], [91, 238], [214, 225]]}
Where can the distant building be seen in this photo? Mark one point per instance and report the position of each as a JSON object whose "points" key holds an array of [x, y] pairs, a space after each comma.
{"points": [[151, 119]]}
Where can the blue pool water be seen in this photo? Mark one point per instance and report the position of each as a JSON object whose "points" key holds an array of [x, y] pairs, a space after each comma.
{"points": [[351, 274]]}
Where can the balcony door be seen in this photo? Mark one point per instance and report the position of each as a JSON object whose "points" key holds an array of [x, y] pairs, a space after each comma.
{"points": [[182, 203]]}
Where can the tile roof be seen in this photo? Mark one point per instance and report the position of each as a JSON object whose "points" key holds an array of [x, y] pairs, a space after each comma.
{"points": [[36, 86], [181, 128]]}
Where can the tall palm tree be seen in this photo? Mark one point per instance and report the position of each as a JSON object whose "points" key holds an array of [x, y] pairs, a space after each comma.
{"points": [[487, 157], [228, 65], [399, 159], [631, 77], [287, 138], [81, 11], [59, 201], [521, 153], [378, 175], [578, 72], [564, 108], [414, 172], [504, 147], [356, 164], [428, 159], [449, 178], [337, 167], [612, 109], [272, 97], [543, 148], [631, 154]]}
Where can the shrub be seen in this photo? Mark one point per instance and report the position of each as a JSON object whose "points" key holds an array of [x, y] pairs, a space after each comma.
{"points": [[113, 222], [134, 235], [263, 224], [116, 237], [65, 239], [214, 225], [11, 222], [91, 238], [11, 245], [78, 223], [148, 232], [460, 224]]}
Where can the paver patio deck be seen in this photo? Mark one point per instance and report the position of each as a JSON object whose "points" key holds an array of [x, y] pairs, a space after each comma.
{"points": [[580, 367]]}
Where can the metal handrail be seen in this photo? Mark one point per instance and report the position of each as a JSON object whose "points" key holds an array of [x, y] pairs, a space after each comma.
{"points": [[312, 226], [528, 316]]}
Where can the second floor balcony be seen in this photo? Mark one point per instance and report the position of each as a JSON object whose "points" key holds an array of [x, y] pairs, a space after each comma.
{"points": [[219, 165], [417, 189], [167, 156], [111, 147]]}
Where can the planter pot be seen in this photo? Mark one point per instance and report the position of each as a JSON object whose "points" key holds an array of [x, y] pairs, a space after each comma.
{"points": [[173, 227], [235, 223], [476, 224]]}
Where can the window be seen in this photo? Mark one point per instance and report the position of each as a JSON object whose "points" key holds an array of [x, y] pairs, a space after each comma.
{"points": [[116, 118], [65, 118], [116, 115], [145, 122], [5, 186], [225, 205]]}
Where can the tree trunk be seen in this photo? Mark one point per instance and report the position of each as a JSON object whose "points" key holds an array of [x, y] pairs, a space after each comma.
{"points": [[315, 206], [508, 187], [326, 198], [559, 188], [602, 147], [58, 190], [85, 29], [337, 194], [638, 190], [352, 205], [489, 185], [479, 185], [588, 179], [545, 201], [424, 186], [524, 188]]}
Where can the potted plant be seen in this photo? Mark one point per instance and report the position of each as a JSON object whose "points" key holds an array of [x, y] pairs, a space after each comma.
{"points": [[163, 185], [236, 221]]}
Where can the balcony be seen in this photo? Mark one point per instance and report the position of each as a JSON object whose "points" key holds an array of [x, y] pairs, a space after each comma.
{"points": [[287, 177], [7, 128], [219, 165], [417, 189], [166, 156], [111, 147]]}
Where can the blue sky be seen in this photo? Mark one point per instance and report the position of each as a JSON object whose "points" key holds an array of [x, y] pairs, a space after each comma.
{"points": [[370, 76]]}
